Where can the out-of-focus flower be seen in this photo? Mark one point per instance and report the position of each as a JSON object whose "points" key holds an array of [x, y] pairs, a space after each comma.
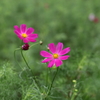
{"points": [[96, 20], [25, 46], [93, 18], [25, 33], [56, 55]]}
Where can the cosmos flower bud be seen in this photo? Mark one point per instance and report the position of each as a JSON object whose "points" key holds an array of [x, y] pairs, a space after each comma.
{"points": [[25, 46], [48, 48], [41, 42]]}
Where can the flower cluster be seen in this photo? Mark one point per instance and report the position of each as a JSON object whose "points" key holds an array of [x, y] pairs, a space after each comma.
{"points": [[54, 58]]}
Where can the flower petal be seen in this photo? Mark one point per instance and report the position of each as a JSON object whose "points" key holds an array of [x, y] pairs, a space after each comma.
{"points": [[64, 51], [31, 39], [23, 28], [59, 47], [64, 57], [15, 31], [45, 54], [58, 62], [30, 30], [33, 35], [17, 28], [25, 40], [52, 47], [20, 37], [46, 60], [51, 63]]}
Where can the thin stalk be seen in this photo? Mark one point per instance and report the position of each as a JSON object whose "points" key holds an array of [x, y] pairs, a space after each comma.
{"points": [[34, 44], [52, 82], [15, 57], [47, 78], [25, 60], [29, 68], [73, 96]]}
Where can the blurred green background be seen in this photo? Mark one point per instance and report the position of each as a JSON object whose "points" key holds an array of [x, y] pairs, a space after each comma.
{"points": [[56, 21]]}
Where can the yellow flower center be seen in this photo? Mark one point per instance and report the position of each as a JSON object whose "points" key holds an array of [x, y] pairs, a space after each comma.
{"points": [[24, 35], [55, 55]]}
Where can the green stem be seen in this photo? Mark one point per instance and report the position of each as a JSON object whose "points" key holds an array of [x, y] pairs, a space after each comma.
{"points": [[34, 44], [73, 96], [25, 60], [47, 78], [52, 82], [15, 57], [29, 68]]}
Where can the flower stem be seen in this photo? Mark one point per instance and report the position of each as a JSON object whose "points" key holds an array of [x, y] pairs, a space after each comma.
{"points": [[29, 68], [47, 78], [15, 56], [73, 96], [25, 60], [34, 44], [52, 82]]}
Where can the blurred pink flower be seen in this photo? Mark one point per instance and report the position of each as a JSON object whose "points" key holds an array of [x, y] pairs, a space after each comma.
{"points": [[25, 33], [93, 18], [55, 57]]}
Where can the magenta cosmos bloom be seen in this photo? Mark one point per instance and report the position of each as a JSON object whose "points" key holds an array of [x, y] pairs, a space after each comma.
{"points": [[56, 55], [25, 33]]}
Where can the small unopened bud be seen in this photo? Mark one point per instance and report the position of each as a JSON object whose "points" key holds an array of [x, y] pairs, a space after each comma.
{"points": [[47, 48], [41, 42], [74, 81], [75, 90], [25, 46]]}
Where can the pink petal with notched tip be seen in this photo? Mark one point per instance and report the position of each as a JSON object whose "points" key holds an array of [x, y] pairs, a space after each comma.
{"points": [[23, 28], [58, 62], [29, 30], [51, 63], [45, 54], [52, 47], [46, 60], [16, 32], [64, 51], [64, 57], [59, 47], [31, 39], [33, 35], [17, 28]]}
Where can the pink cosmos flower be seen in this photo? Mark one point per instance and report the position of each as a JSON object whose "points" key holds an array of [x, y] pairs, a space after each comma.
{"points": [[25, 33], [56, 55]]}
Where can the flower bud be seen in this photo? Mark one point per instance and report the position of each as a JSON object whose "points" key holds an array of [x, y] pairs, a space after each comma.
{"points": [[41, 42], [25, 46]]}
